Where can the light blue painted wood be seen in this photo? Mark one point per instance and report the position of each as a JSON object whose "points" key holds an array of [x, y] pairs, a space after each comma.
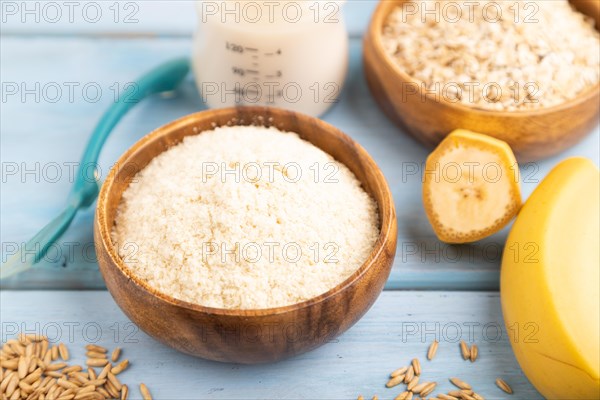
{"points": [[357, 363], [42, 133], [161, 80], [140, 17], [399, 327]]}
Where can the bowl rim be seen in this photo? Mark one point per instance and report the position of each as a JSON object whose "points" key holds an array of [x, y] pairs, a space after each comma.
{"points": [[387, 213], [374, 34]]}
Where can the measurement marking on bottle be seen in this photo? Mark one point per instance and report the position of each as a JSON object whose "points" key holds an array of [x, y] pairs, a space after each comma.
{"points": [[270, 98], [279, 74], [254, 56], [255, 64], [252, 71], [244, 92], [278, 52], [250, 49]]}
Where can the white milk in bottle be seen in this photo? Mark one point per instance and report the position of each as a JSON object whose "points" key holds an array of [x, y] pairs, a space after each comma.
{"points": [[282, 53]]}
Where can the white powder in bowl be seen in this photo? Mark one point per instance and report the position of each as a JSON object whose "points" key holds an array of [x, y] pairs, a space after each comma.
{"points": [[245, 217]]}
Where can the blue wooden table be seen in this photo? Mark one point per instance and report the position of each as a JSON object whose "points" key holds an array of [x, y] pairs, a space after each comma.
{"points": [[58, 77]]}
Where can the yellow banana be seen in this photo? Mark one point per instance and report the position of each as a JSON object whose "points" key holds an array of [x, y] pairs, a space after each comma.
{"points": [[550, 283], [471, 187]]}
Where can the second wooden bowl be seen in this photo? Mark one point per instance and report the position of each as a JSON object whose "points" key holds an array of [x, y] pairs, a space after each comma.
{"points": [[531, 134], [246, 336]]}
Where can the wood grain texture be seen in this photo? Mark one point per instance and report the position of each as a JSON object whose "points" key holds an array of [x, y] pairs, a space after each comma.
{"points": [[142, 18], [35, 134], [184, 325], [533, 135], [358, 362]]}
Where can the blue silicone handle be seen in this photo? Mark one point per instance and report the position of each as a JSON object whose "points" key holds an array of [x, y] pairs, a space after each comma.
{"points": [[164, 78]]}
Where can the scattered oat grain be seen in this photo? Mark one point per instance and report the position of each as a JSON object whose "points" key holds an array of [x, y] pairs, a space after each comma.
{"points": [[95, 354], [410, 373], [146, 393], [443, 396], [473, 352], [402, 396], [413, 382], [416, 364], [72, 368], [27, 372], [399, 371], [56, 366], [22, 367], [460, 383], [63, 352], [504, 386], [115, 381], [428, 389], [432, 350], [120, 367], [125, 393], [420, 387], [395, 381], [115, 354], [104, 372], [464, 349], [96, 348], [96, 362]]}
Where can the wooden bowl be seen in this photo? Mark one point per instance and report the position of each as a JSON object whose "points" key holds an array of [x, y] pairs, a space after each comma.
{"points": [[246, 336], [531, 134]]}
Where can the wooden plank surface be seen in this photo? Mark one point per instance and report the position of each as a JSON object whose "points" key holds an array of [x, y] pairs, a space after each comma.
{"points": [[44, 136], [399, 327], [141, 17]]}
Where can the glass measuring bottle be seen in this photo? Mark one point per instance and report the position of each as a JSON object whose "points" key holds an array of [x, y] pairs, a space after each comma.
{"points": [[284, 53]]}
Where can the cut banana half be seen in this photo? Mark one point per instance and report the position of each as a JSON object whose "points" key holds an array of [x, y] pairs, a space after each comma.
{"points": [[471, 187]]}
